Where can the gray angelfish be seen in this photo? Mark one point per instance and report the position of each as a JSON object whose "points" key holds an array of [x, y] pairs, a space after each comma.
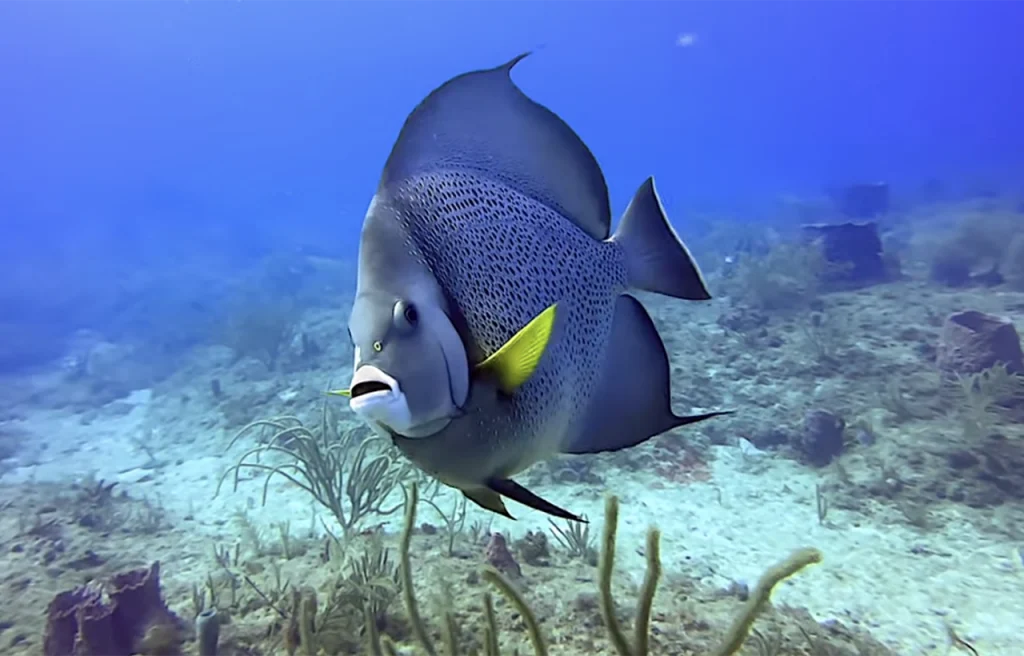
{"points": [[492, 325]]}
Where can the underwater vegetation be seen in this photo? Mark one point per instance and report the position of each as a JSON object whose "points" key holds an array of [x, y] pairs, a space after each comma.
{"points": [[984, 248], [348, 473], [360, 594], [365, 591], [131, 616], [375, 582], [786, 277], [895, 404], [638, 645]]}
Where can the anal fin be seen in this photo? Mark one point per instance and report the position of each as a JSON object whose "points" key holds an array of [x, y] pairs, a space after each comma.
{"points": [[633, 399], [509, 488]]}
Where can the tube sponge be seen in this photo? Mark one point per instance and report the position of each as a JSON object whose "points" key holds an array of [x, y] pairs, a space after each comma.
{"points": [[208, 632]]}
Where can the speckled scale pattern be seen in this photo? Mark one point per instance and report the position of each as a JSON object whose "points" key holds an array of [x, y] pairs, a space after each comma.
{"points": [[504, 258]]}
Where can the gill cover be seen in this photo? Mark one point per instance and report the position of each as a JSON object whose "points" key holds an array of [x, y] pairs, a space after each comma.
{"points": [[453, 350]]}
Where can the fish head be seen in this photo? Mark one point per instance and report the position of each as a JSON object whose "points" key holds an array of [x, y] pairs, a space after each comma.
{"points": [[411, 373]]}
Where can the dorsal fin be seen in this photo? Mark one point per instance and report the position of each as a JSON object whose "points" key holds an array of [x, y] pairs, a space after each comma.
{"points": [[482, 122]]}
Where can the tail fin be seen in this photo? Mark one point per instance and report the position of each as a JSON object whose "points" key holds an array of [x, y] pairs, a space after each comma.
{"points": [[656, 258]]}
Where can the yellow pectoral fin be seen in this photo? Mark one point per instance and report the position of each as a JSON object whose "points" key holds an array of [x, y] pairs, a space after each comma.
{"points": [[514, 363], [340, 392]]}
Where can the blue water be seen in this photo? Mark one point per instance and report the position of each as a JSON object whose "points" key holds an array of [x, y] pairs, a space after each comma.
{"points": [[144, 133]]}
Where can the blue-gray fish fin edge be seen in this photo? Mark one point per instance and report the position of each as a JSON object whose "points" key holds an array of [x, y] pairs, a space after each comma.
{"points": [[488, 499], [657, 260], [509, 488], [481, 122], [632, 401]]}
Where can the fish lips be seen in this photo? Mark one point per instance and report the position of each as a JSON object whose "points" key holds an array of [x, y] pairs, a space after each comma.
{"points": [[378, 397], [369, 384]]}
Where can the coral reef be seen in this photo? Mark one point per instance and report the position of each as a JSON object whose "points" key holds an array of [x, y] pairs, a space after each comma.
{"points": [[133, 619]]}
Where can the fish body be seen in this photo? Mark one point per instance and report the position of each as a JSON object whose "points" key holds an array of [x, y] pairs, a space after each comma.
{"points": [[492, 324]]}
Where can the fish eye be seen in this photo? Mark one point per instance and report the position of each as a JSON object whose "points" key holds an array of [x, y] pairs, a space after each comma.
{"points": [[405, 316], [378, 347]]}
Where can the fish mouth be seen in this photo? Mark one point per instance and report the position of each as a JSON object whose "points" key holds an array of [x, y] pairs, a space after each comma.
{"points": [[378, 399], [369, 387]]}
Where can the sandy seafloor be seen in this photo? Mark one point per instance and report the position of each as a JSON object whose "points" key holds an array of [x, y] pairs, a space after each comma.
{"points": [[900, 582]]}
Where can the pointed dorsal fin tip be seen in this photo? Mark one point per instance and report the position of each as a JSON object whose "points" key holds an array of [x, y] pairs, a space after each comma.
{"points": [[508, 66], [482, 121]]}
